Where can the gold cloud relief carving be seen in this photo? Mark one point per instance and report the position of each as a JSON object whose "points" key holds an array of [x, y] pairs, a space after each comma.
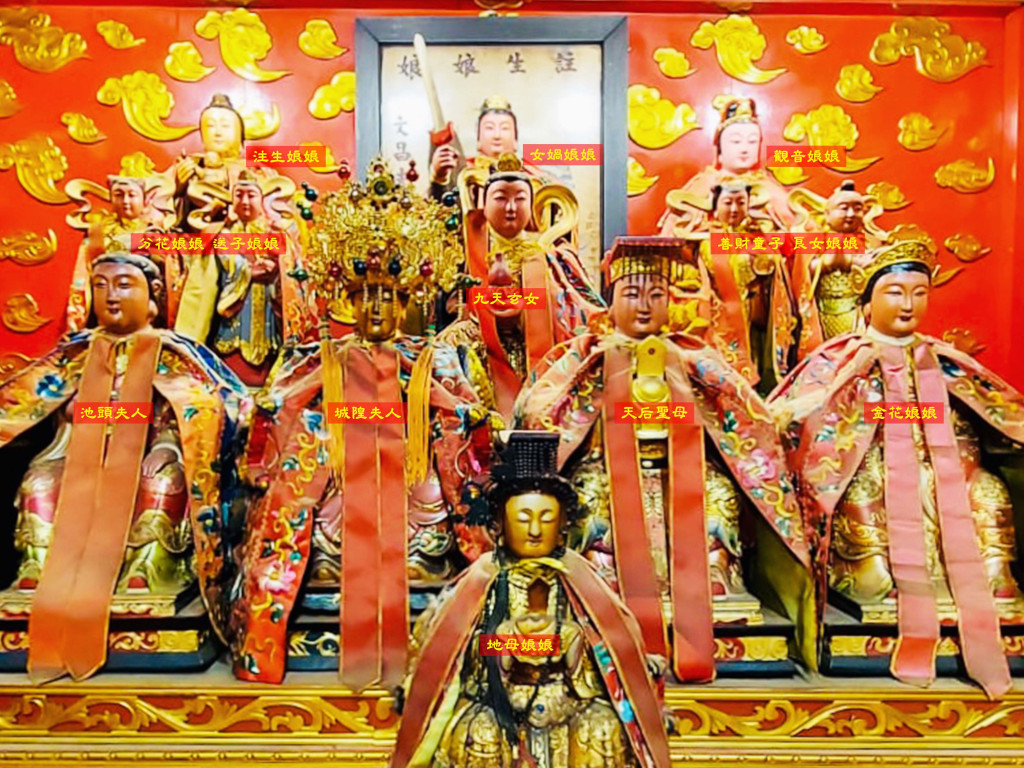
{"points": [[339, 95], [8, 99], [259, 123], [938, 54], [966, 247], [738, 44], [673, 63], [888, 195], [117, 35], [330, 164], [828, 125], [38, 164], [21, 314], [81, 128], [146, 103], [184, 62], [965, 177], [137, 165], [788, 174], [37, 44], [964, 340], [806, 40], [856, 83], [637, 180], [917, 132], [319, 40], [655, 122], [244, 41], [28, 248]]}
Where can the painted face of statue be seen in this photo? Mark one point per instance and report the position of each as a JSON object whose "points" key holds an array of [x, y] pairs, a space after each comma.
{"points": [[507, 207], [121, 298], [846, 213], [378, 313], [640, 305], [898, 303], [533, 524], [247, 201], [221, 131], [732, 207], [127, 200], [496, 134], [739, 146]]}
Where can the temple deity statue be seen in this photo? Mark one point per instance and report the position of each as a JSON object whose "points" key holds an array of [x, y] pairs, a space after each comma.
{"points": [[119, 508], [744, 295], [899, 442], [586, 698], [670, 506], [738, 153], [137, 204], [357, 500], [827, 302], [244, 306], [534, 291], [203, 181]]}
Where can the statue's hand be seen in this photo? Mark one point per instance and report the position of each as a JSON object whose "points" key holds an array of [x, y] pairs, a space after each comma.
{"points": [[445, 158], [186, 169], [264, 270], [158, 459]]}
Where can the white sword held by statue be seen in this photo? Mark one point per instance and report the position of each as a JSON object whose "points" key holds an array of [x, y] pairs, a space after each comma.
{"points": [[442, 132]]}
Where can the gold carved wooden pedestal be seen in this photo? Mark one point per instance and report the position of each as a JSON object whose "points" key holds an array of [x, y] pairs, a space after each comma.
{"points": [[209, 719]]}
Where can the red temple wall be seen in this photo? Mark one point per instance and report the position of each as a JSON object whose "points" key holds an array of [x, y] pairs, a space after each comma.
{"points": [[979, 111]]}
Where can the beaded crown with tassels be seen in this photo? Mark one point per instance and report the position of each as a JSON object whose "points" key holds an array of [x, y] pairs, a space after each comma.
{"points": [[902, 252], [383, 233]]}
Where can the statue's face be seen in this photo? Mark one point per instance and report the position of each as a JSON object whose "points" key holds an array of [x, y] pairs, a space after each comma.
{"points": [[533, 524], [496, 134], [640, 305], [507, 207], [898, 303], [221, 131], [379, 314], [739, 146], [845, 213], [127, 200], [732, 207], [121, 298], [246, 200]]}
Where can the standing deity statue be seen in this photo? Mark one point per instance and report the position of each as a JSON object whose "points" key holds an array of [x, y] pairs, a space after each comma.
{"points": [[246, 306], [907, 514], [744, 297], [827, 301], [137, 204], [667, 501], [535, 292], [115, 508], [588, 700], [360, 501], [738, 149]]}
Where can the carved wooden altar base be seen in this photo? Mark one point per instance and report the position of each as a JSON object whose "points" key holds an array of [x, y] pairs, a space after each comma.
{"points": [[209, 719]]}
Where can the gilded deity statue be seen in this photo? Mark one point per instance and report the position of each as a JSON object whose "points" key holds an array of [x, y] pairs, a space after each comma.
{"points": [[744, 296], [912, 521], [115, 510], [372, 508], [827, 301], [137, 204], [244, 306], [669, 504], [534, 293], [738, 153], [588, 701]]}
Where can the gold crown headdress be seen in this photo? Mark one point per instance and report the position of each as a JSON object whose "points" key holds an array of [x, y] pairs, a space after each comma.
{"points": [[508, 167], [733, 109], [902, 252], [495, 104], [384, 233], [664, 256]]}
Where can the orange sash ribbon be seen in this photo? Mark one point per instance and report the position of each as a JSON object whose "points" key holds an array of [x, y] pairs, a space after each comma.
{"points": [[71, 611], [734, 327], [374, 583]]}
